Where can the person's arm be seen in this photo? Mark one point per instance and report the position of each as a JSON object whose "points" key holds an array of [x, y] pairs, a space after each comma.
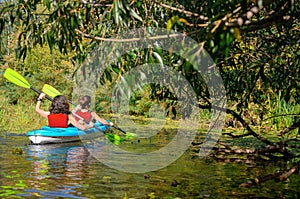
{"points": [[78, 125], [96, 117], [38, 106]]}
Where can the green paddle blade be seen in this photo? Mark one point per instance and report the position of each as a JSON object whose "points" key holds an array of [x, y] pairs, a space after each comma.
{"points": [[114, 138], [16, 78], [130, 135], [50, 91]]}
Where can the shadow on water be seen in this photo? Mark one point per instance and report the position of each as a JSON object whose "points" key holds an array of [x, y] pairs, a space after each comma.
{"points": [[70, 171]]}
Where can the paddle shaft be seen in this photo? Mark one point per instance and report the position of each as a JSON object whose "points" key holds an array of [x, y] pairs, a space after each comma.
{"points": [[51, 91], [19, 80], [50, 99], [39, 92], [81, 118], [116, 127]]}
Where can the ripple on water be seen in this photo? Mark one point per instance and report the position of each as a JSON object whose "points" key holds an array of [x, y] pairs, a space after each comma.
{"points": [[70, 171]]}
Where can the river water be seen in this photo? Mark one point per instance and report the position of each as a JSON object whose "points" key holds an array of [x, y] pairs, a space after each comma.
{"points": [[70, 171]]}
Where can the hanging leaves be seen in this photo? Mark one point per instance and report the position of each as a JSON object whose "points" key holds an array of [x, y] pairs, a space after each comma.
{"points": [[47, 4], [171, 22]]}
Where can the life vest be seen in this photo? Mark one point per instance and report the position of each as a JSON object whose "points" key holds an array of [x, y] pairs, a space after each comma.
{"points": [[85, 115], [58, 120]]}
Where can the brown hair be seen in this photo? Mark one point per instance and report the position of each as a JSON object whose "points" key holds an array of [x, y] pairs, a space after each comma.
{"points": [[85, 102], [59, 104]]}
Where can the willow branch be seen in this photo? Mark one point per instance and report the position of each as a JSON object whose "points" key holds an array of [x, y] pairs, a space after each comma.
{"points": [[271, 147], [237, 136], [281, 115], [247, 126], [280, 176], [239, 118], [275, 16], [188, 13], [137, 38], [275, 148], [295, 125]]}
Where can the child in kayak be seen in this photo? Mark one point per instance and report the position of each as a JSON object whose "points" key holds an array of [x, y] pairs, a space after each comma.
{"points": [[59, 114], [82, 112]]}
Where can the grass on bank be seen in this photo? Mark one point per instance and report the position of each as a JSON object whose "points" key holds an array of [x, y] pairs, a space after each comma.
{"points": [[19, 118]]}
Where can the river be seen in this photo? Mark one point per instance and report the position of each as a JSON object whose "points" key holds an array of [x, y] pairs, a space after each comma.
{"points": [[70, 171]]}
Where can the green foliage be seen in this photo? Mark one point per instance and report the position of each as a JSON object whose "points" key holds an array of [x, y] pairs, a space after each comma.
{"points": [[151, 195], [255, 46], [283, 114], [255, 50], [140, 102], [41, 66], [20, 117]]}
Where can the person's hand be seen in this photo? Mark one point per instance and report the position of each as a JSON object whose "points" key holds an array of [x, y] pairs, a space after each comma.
{"points": [[42, 96], [91, 124], [78, 107], [111, 124]]}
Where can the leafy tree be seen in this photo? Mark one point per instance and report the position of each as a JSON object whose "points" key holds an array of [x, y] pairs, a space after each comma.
{"points": [[254, 43]]}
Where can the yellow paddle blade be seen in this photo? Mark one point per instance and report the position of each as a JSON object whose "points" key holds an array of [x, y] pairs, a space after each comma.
{"points": [[16, 78], [50, 91]]}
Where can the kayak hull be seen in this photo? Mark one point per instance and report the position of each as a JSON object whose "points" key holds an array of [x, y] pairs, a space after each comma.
{"points": [[48, 135], [37, 139]]}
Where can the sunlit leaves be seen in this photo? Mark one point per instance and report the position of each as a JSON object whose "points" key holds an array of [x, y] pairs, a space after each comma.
{"points": [[116, 11], [135, 15], [211, 23], [171, 22], [158, 57], [47, 4], [237, 34]]}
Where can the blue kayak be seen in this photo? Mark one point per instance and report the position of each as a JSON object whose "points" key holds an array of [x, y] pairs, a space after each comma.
{"points": [[46, 134]]}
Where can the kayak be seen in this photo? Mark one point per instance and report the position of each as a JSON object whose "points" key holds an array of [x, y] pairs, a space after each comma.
{"points": [[48, 135]]}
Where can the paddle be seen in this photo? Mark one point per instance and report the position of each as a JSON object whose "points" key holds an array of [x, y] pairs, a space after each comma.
{"points": [[51, 91], [19, 80]]}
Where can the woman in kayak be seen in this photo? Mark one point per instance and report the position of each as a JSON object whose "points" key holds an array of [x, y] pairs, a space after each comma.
{"points": [[59, 114], [82, 112]]}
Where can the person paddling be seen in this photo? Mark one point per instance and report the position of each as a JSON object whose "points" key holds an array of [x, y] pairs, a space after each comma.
{"points": [[59, 114], [82, 110]]}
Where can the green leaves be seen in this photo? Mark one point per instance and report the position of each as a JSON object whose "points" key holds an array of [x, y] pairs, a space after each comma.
{"points": [[65, 26], [122, 12], [176, 20], [135, 15], [171, 22], [158, 57], [116, 11], [220, 44], [47, 4]]}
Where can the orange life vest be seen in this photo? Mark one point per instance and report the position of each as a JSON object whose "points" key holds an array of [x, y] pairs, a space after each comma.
{"points": [[58, 120], [85, 115]]}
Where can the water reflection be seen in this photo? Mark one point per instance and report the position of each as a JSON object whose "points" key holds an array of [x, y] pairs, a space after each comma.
{"points": [[57, 165], [69, 171], [58, 160]]}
